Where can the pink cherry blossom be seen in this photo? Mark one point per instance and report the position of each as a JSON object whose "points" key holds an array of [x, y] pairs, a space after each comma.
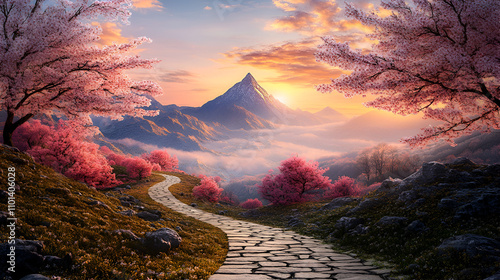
{"points": [[66, 151], [208, 190], [437, 57], [251, 203], [296, 179], [51, 63]]}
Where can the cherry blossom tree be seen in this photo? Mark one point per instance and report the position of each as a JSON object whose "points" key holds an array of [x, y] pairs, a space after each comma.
{"points": [[251, 203], [208, 190], [137, 167], [344, 186], [164, 161], [66, 151], [296, 179], [51, 63], [439, 57]]}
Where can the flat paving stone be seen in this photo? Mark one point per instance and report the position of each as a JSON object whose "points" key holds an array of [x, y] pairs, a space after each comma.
{"points": [[258, 252]]}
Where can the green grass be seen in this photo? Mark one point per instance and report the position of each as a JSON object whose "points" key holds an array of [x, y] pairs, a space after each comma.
{"points": [[53, 209]]}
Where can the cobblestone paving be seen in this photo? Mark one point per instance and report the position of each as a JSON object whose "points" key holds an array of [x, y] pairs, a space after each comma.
{"points": [[260, 252]]}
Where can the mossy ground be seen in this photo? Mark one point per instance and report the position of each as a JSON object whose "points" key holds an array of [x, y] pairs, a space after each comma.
{"points": [[54, 209], [410, 255]]}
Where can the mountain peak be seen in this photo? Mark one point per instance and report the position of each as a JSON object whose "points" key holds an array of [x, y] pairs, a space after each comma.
{"points": [[249, 95], [249, 79]]}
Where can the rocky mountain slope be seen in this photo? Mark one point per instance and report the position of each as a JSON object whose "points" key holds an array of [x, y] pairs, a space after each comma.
{"points": [[245, 106]]}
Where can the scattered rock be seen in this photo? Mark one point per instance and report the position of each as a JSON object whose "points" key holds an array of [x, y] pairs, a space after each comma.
{"points": [[473, 246], [129, 200], [430, 171], [57, 263], [29, 259], [391, 221], [495, 276], [493, 170], [295, 222], [416, 227], [366, 204], [161, 240], [128, 212], [94, 202], [148, 216], [194, 205], [348, 223], [407, 196], [35, 277], [486, 204], [222, 212], [359, 229], [389, 184], [448, 203], [252, 213], [338, 202]]}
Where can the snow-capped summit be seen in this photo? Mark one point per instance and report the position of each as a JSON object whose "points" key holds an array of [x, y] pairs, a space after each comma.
{"points": [[249, 95]]}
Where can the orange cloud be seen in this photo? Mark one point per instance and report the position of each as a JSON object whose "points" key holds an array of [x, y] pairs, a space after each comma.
{"points": [[293, 61], [307, 16], [315, 17], [147, 4], [111, 33]]}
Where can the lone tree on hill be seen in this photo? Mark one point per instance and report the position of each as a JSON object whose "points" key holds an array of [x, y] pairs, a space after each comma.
{"points": [[51, 63], [296, 178], [439, 57]]}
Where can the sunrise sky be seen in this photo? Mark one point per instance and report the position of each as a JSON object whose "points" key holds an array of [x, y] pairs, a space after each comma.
{"points": [[206, 46]]}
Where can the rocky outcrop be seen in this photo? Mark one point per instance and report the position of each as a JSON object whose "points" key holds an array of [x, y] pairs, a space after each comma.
{"points": [[29, 259], [460, 196], [161, 240], [474, 246]]}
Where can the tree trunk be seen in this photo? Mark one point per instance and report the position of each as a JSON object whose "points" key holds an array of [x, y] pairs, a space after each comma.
{"points": [[10, 126]]}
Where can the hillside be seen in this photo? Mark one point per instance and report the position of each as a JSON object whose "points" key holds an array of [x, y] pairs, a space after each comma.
{"points": [[439, 223], [76, 232]]}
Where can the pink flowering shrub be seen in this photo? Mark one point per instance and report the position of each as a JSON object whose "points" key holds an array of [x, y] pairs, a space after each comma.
{"points": [[251, 203], [208, 190], [344, 186], [297, 178], [67, 151], [137, 167], [161, 160]]}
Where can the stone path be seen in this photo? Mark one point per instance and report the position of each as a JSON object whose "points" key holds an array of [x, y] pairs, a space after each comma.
{"points": [[260, 252]]}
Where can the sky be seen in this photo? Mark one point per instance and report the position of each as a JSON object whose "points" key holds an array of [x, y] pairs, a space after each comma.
{"points": [[206, 46]]}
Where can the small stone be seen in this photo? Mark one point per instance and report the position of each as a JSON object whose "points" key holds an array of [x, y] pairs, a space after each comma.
{"points": [[148, 216]]}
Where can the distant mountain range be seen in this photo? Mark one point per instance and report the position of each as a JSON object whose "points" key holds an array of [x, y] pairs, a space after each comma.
{"points": [[245, 106]]}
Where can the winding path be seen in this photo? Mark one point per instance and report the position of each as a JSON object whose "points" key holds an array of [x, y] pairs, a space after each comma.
{"points": [[260, 252]]}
